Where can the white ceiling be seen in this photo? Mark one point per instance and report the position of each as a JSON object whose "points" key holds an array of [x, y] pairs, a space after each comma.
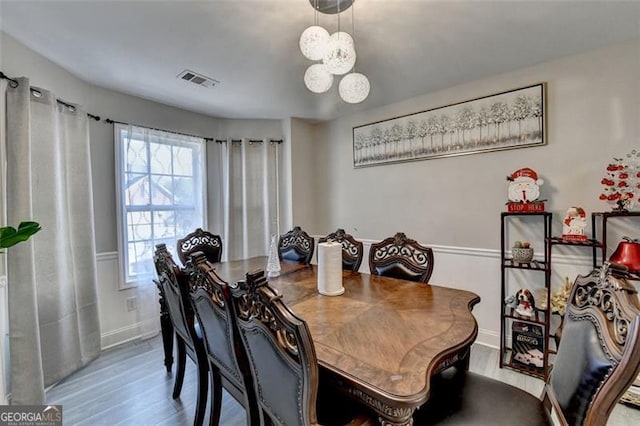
{"points": [[405, 47]]}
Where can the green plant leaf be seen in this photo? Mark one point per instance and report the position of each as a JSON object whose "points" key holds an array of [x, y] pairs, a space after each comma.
{"points": [[10, 236]]}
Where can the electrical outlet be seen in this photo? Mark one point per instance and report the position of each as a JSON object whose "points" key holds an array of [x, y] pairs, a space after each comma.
{"points": [[132, 304]]}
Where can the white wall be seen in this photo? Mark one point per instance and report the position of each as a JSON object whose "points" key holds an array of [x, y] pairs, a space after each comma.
{"points": [[454, 204], [305, 172]]}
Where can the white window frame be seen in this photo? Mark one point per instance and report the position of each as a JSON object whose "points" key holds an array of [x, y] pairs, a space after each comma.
{"points": [[126, 282]]}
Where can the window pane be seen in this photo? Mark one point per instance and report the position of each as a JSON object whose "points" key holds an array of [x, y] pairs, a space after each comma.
{"points": [[183, 161], [160, 158], [136, 156], [186, 221], [162, 193], [140, 258], [164, 224], [139, 228], [184, 191], [136, 189]]}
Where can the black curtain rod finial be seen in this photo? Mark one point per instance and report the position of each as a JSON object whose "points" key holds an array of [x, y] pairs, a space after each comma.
{"points": [[12, 82]]}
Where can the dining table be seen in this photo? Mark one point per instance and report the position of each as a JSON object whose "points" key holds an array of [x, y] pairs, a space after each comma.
{"points": [[382, 340]]}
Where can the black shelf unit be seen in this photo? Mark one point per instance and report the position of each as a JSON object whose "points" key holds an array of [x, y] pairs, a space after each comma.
{"points": [[507, 317]]}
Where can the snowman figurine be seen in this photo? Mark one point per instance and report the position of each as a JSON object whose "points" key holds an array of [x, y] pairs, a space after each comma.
{"points": [[524, 186]]}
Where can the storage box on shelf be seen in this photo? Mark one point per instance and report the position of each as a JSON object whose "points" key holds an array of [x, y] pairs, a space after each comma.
{"points": [[528, 350]]}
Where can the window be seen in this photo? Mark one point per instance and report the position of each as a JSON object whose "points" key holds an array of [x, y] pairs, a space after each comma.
{"points": [[160, 185]]}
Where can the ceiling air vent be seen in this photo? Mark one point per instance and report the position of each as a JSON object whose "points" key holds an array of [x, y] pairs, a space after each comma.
{"points": [[199, 79]]}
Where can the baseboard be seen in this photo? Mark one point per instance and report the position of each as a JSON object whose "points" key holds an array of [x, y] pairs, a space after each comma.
{"points": [[488, 338], [120, 336]]}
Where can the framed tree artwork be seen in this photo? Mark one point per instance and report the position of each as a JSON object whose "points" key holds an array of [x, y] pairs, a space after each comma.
{"points": [[507, 120]]}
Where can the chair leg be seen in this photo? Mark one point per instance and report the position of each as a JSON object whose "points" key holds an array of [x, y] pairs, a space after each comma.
{"points": [[253, 412], [216, 396], [203, 388], [180, 366]]}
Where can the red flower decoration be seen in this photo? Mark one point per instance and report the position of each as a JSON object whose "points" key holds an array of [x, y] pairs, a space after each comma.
{"points": [[604, 196], [622, 184], [623, 175]]}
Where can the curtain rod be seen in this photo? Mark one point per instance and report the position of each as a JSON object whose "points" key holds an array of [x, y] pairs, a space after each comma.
{"points": [[110, 121], [278, 141], [15, 83]]}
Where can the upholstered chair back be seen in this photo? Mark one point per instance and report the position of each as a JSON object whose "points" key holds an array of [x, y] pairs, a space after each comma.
{"points": [[599, 354], [280, 351], [211, 301], [170, 278], [401, 257], [296, 245], [202, 241], [352, 249]]}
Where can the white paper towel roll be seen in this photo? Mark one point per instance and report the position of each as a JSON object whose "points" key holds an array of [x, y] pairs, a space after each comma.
{"points": [[330, 269]]}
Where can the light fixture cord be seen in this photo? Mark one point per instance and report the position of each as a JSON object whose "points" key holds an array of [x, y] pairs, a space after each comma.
{"points": [[315, 15], [353, 30]]}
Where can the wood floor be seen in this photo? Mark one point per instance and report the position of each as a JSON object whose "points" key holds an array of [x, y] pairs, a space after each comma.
{"points": [[128, 385]]}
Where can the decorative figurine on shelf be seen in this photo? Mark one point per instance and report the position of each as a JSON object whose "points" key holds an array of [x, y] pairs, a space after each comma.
{"points": [[524, 191], [522, 252], [621, 182], [525, 303], [560, 297], [559, 306], [522, 302], [574, 224], [273, 261], [628, 254]]}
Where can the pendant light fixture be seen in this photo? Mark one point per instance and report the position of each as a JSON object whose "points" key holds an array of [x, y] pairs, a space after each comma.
{"points": [[337, 52]]}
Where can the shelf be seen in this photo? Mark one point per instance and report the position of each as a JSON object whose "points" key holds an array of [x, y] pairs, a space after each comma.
{"points": [[504, 214], [537, 265], [529, 320], [588, 243], [616, 214]]}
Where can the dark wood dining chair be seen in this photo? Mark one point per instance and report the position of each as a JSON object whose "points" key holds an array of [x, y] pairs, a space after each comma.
{"points": [[281, 355], [203, 241], [401, 257], [189, 342], [228, 364], [352, 249], [598, 359], [296, 245]]}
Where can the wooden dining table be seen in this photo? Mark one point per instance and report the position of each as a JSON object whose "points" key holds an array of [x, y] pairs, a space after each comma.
{"points": [[382, 339]]}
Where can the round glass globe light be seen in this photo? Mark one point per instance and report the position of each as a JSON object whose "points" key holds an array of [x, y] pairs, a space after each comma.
{"points": [[313, 42], [354, 88], [340, 56], [317, 78]]}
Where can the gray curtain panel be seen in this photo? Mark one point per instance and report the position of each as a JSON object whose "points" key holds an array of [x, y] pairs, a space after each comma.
{"points": [[249, 189], [53, 309]]}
